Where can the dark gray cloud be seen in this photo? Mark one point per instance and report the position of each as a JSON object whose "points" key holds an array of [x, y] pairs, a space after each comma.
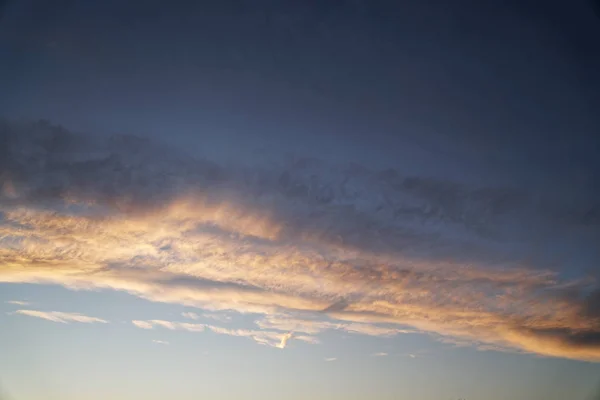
{"points": [[568, 337]]}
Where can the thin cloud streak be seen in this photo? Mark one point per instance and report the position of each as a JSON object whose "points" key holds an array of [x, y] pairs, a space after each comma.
{"points": [[18, 302], [217, 317], [143, 324], [365, 252], [213, 316], [190, 315], [61, 317], [174, 326], [269, 338], [314, 326]]}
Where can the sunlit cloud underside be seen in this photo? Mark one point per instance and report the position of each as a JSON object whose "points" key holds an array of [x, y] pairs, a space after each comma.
{"points": [[304, 246]]}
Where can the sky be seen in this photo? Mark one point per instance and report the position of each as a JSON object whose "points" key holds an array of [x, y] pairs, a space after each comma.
{"points": [[304, 199]]}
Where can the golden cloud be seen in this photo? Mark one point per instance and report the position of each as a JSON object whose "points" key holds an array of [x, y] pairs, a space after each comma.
{"points": [[372, 255]]}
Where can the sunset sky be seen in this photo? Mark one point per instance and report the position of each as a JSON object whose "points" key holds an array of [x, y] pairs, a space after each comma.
{"points": [[299, 199]]}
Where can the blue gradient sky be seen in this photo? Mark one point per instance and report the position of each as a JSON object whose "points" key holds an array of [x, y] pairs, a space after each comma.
{"points": [[423, 170], [119, 361]]}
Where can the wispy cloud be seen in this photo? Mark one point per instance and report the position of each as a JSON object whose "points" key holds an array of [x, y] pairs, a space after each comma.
{"points": [[379, 354], [284, 340], [314, 326], [143, 324], [368, 252], [217, 317], [62, 317], [307, 339], [330, 359], [419, 354], [270, 338], [18, 302], [174, 326], [161, 342], [190, 315], [214, 316]]}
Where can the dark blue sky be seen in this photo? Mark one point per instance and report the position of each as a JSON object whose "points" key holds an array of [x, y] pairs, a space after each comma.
{"points": [[505, 87], [508, 79]]}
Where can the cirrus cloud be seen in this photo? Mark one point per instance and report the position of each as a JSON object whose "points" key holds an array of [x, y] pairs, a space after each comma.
{"points": [[61, 317], [18, 302], [270, 338]]}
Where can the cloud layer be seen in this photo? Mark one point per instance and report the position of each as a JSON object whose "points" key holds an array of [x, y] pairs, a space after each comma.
{"points": [[304, 245]]}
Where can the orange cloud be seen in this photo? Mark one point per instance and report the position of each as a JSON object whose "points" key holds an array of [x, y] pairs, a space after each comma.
{"points": [[367, 253]]}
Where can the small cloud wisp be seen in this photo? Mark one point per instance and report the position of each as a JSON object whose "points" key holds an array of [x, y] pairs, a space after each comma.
{"points": [[61, 317], [18, 302]]}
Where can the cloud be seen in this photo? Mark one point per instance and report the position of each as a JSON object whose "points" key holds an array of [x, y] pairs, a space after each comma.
{"points": [[284, 340], [62, 317], [307, 339], [160, 342], [18, 302], [308, 246], [379, 354], [174, 326], [420, 354], [270, 338], [143, 324], [217, 317], [314, 326], [214, 316], [330, 359], [190, 315]]}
